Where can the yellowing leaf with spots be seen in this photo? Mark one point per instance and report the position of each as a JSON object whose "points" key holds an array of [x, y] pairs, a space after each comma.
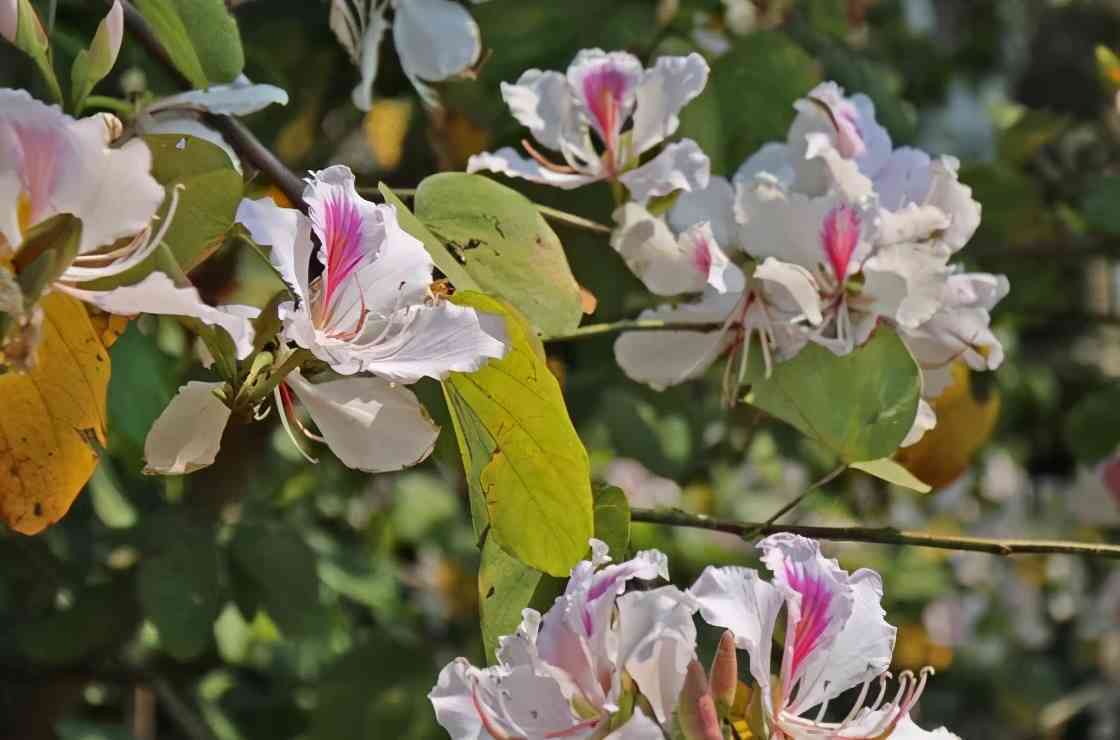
{"points": [[53, 419], [966, 417]]}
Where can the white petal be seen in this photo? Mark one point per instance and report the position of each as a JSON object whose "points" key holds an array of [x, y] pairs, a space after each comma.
{"points": [[158, 294], [368, 58], [909, 176], [955, 199], [369, 423], [657, 639], [679, 166], [911, 223], [905, 729], [860, 652], [288, 233], [737, 599], [638, 727], [66, 166], [542, 102], [925, 420], [605, 86], [239, 98], [188, 434], [508, 162], [906, 283], [436, 340], [840, 175], [786, 283], [665, 264], [453, 700], [714, 205], [819, 601], [773, 159], [435, 39], [665, 358], [666, 88]]}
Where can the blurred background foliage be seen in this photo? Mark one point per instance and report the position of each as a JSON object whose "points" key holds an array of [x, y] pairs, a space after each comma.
{"points": [[267, 598]]}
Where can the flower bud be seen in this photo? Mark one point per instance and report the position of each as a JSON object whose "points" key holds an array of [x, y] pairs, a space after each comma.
{"points": [[9, 19], [724, 677], [696, 711]]}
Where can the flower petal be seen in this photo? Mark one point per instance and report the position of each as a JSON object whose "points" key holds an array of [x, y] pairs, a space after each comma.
{"points": [[9, 17], [790, 288], [773, 159], [665, 264], [435, 39], [713, 204], [288, 233], [369, 423], [906, 282], [239, 98], [188, 434], [639, 727], [508, 162], [819, 601], [737, 599], [605, 86], [542, 102], [157, 294], [434, 340], [66, 166], [656, 642], [679, 166], [665, 89], [925, 420], [369, 55]]}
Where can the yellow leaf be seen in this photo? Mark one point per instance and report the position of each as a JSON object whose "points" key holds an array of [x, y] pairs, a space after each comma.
{"points": [[965, 421], [386, 126], [53, 419]]}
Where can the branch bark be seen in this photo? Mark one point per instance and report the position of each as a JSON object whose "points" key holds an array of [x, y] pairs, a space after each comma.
{"points": [[243, 141], [877, 535]]}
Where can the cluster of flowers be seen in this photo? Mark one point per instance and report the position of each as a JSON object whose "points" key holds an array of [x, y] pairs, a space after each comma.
{"points": [[606, 663], [817, 239]]}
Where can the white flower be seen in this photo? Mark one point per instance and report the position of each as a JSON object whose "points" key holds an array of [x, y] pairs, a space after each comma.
{"points": [[584, 115], [436, 40], [52, 164], [836, 639], [369, 310], [561, 675]]}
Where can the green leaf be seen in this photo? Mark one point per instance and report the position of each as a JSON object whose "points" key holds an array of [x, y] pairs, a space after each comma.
{"points": [[208, 189], [180, 591], [525, 464], [859, 406], [142, 384], [505, 587], [200, 36], [92, 65], [71, 729], [612, 520], [1101, 204], [280, 566], [47, 250], [443, 259], [887, 469], [757, 82], [97, 618], [1091, 429], [505, 244]]}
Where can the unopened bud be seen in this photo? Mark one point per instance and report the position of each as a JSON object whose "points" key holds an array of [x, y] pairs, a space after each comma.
{"points": [[9, 19], [696, 710], [724, 677]]}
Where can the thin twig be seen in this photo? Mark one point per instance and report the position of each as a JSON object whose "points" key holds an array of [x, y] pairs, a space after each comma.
{"points": [[877, 535], [591, 330], [552, 214], [247, 146], [824, 481], [181, 711]]}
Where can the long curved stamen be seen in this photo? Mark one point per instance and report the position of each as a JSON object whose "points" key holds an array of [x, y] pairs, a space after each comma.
{"points": [[283, 396], [484, 716], [544, 162]]}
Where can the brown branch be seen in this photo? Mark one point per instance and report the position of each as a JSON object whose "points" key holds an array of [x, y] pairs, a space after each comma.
{"points": [[877, 535], [243, 141]]}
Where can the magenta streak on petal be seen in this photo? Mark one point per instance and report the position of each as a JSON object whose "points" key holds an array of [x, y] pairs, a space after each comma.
{"points": [[484, 717], [576, 729], [702, 256], [39, 167], [815, 601], [342, 242], [603, 89], [839, 237]]}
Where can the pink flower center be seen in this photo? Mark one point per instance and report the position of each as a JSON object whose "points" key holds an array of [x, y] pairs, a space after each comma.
{"points": [[40, 167], [815, 602], [839, 237], [603, 89]]}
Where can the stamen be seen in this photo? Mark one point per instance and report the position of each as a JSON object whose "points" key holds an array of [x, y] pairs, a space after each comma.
{"points": [[284, 406], [543, 162]]}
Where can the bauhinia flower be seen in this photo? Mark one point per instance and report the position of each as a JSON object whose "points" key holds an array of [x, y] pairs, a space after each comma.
{"points": [[836, 639], [566, 673], [600, 118], [436, 40], [52, 164], [363, 305]]}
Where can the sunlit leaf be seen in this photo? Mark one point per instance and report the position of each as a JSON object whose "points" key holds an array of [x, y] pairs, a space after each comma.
{"points": [[200, 36], [443, 259], [505, 587], [53, 424], [859, 406], [526, 467], [892, 472], [504, 244]]}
